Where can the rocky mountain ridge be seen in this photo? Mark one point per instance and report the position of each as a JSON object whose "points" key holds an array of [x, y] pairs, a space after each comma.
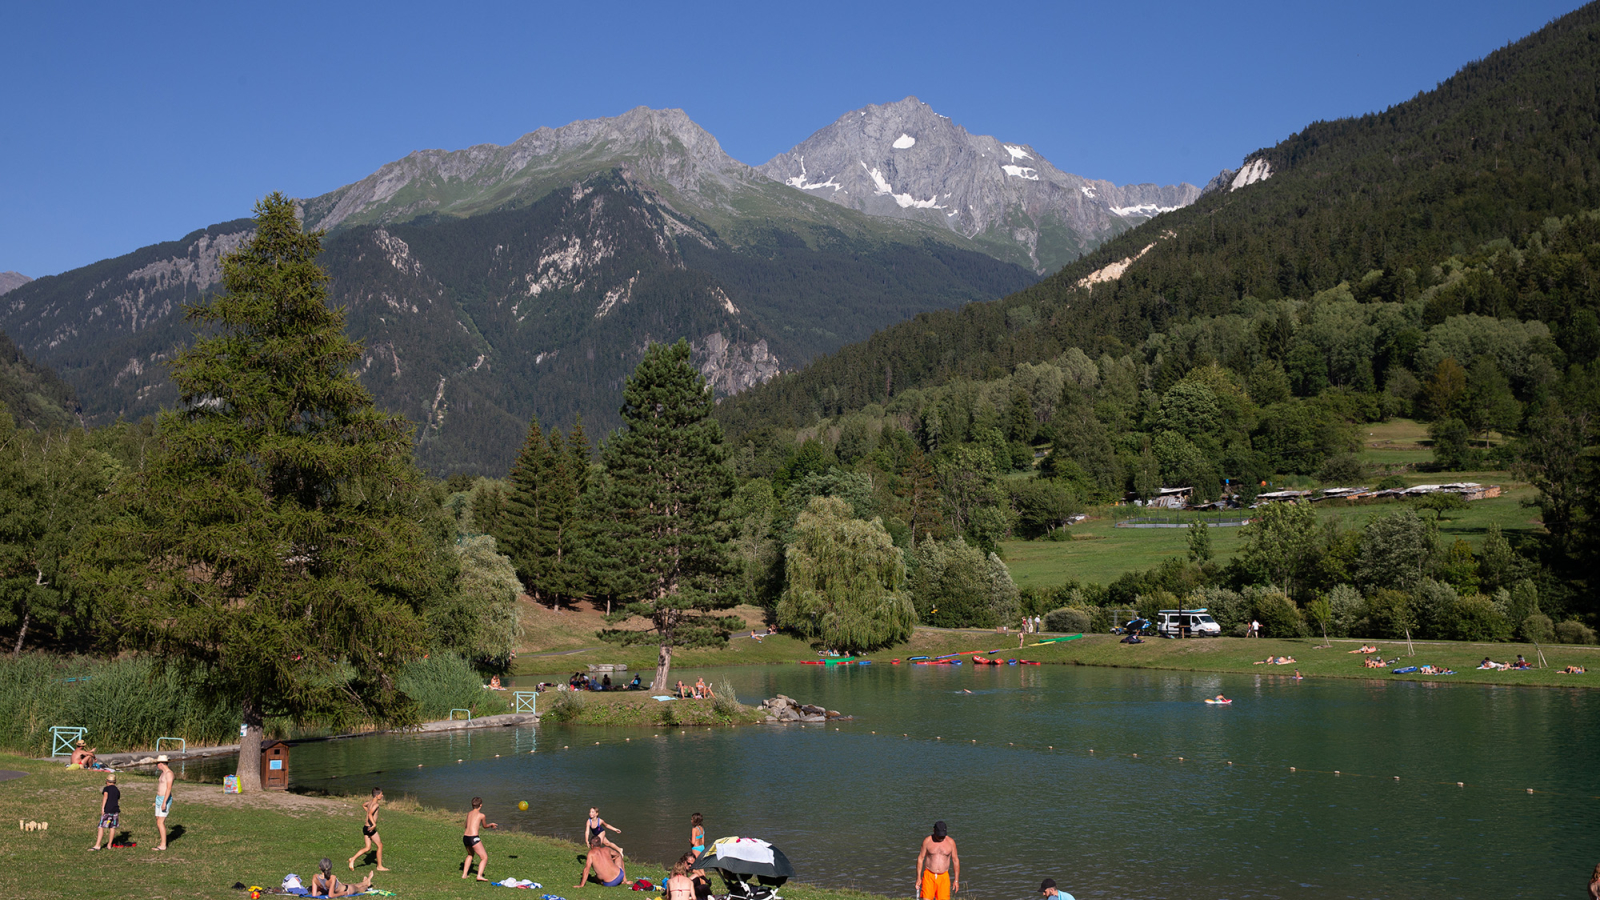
{"points": [[9, 280], [905, 160]]}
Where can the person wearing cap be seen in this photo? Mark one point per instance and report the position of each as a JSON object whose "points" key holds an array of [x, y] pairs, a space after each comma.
{"points": [[163, 797], [938, 866], [110, 808], [1049, 891]]}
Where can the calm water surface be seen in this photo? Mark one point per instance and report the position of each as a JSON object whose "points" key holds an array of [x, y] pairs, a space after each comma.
{"points": [[1029, 799]]}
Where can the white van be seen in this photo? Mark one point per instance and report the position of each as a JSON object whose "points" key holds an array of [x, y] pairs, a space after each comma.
{"points": [[1188, 623]]}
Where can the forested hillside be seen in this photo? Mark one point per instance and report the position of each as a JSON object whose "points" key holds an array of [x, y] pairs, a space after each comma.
{"points": [[1379, 202], [36, 396]]}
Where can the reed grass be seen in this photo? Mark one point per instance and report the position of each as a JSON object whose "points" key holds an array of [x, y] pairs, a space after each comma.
{"points": [[128, 703]]}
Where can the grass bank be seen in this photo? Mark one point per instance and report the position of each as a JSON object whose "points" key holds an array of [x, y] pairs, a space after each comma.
{"points": [[1239, 655], [257, 839], [637, 708]]}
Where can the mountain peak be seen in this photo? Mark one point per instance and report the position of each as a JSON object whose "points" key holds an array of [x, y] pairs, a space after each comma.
{"points": [[905, 160], [10, 280], [661, 145]]}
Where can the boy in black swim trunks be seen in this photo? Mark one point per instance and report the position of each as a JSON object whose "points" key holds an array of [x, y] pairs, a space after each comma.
{"points": [[110, 809], [369, 831], [473, 843]]}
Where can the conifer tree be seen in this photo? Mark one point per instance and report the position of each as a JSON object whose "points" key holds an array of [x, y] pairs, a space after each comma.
{"points": [[661, 535], [276, 547]]}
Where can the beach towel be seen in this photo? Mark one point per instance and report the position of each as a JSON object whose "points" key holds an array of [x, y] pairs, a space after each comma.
{"points": [[663, 698], [519, 883]]}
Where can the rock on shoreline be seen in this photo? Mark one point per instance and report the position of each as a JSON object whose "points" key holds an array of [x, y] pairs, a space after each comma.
{"points": [[783, 710]]}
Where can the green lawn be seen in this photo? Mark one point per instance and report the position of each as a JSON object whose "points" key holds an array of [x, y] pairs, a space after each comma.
{"points": [[1100, 552], [257, 839]]}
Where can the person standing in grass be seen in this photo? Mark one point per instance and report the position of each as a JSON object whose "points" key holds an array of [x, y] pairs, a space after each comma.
{"points": [[369, 831], [164, 779], [473, 843], [110, 808], [938, 866]]}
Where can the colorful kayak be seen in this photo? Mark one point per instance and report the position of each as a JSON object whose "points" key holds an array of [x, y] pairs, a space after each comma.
{"points": [[1218, 702]]}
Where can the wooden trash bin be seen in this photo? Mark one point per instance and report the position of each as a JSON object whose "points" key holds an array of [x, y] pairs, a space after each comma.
{"points": [[275, 767]]}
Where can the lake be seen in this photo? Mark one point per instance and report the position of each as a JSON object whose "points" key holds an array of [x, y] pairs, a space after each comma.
{"points": [[1035, 771]]}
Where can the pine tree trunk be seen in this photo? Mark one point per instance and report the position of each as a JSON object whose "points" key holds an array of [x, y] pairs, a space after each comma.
{"points": [[249, 771], [21, 633], [663, 666]]}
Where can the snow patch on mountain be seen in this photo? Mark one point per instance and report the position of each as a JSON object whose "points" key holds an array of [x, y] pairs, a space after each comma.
{"points": [[1143, 209], [906, 201], [1255, 170], [1022, 172], [800, 181], [1017, 152], [904, 142]]}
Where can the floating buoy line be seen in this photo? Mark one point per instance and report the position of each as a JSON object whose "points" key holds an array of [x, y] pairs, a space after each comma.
{"points": [[1102, 755]]}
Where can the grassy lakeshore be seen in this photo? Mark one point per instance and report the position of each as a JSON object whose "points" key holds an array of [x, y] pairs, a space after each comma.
{"points": [[575, 630], [1239, 655], [257, 839]]}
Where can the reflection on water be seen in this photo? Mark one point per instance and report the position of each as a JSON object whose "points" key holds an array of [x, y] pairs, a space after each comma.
{"points": [[1035, 770]]}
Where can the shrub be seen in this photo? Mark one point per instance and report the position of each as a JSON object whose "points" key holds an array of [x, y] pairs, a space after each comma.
{"points": [[1388, 614], [1229, 608], [567, 707], [1068, 620], [445, 681], [1539, 629], [1434, 608], [1100, 620], [1346, 606], [1279, 617], [1341, 469], [1476, 619], [1391, 482], [1574, 632]]}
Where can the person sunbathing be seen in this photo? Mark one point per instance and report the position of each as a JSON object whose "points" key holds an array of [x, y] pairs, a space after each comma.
{"points": [[683, 691], [325, 884], [82, 757], [1372, 663], [1572, 670], [1284, 661], [1365, 648]]}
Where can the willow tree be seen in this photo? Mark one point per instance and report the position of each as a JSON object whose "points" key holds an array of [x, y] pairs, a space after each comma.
{"points": [[278, 548], [661, 533], [845, 581]]}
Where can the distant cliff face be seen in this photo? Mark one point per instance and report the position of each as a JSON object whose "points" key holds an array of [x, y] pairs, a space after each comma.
{"points": [[9, 280], [905, 160]]}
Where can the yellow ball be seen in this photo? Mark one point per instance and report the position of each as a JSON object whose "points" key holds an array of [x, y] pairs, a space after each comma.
{"points": [[522, 804]]}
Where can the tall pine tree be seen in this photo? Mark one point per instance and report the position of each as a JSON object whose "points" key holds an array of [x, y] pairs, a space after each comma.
{"points": [[542, 524], [661, 535], [277, 548]]}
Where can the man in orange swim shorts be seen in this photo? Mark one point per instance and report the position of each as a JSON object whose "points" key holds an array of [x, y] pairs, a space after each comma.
{"points": [[938, 866]]}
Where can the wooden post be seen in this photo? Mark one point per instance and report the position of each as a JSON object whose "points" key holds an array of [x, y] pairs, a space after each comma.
{"points": [[1410, 650]]}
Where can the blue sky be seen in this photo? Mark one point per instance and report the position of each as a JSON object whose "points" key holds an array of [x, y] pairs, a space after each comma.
{"points": [[125, 124]]}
